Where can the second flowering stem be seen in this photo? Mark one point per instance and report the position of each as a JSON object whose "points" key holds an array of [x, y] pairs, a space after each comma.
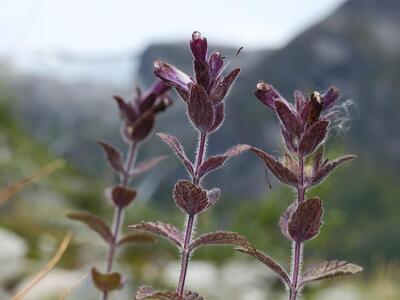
{"points": [[190, 219]]}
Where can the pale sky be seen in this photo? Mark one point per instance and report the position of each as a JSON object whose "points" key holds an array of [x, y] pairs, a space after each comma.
{"points": [[118, 27]]}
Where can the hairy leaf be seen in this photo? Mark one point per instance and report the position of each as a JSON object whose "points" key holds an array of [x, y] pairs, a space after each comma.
{"points": [[215, 162], [149, 292], [95, 223], [200, 109], [173, 143], [219, 117], [147, 165], [126, 111], [313, 137], [329, 269], [288, 118], [266, 260], [327, 168], [190, 197], [114, 157], [139, 130], [122, 196], [284, 174], [168, 231], [306, 220], [106, 282], [221, 90], [136, 238], [220, 237]]}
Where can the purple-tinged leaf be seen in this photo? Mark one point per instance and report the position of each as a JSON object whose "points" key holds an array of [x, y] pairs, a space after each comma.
{"points": [[202, 73], [306, 220], [174, 77], [284, 221], [148, 292], [213, 196], [95, 223], [288, 118], [219, 115], [282, 173], [288, 139], [215, 162], [122, 196], [317, 158], [327, 168], [330, 97], [136, 238], [314, 135], [166, 230], [221, 89], [218, 238], [267, 94], [106, 282], [141, 129], [147, 165], [200, 109], [329, 269], [198, 45], [268, 261], [126, 111], [173, 143], [299, 100], [190, 197], [114, 157]]}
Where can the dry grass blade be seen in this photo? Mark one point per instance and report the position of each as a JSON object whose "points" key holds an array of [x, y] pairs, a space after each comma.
{"points": [[50, 265], [42, 172], [70, 290]]}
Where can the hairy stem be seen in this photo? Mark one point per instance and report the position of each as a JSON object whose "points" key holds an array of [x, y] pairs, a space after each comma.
{"points": [[119, 212], [190, 221], [297, 254]]}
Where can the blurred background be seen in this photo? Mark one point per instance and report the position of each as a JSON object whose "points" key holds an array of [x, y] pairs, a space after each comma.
{"points": [[60, 64]]}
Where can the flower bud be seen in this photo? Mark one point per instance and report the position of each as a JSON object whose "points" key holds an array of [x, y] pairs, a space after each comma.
{"points": [[198, 45]]}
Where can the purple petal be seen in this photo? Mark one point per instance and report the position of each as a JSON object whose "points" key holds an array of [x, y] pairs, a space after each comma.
{"points": [[198, 45], [267, 94], [174, 77], [215, 62]]}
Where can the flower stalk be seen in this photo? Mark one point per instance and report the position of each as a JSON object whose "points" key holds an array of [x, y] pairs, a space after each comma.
{"points": [[138, 117]]}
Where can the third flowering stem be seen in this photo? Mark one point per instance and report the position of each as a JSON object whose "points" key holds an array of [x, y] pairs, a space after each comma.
{"points": [[190, 219], [119, 211]]}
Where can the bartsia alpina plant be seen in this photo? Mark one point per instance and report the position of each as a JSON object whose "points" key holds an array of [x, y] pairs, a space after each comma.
{"points": [[204, 97], [138, 118], [304, 127]]}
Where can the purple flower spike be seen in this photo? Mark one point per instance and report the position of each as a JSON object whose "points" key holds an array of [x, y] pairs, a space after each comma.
{"points": [[267, 94], [174, 77], [205, 109], [330, 97], [198, 45]]}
